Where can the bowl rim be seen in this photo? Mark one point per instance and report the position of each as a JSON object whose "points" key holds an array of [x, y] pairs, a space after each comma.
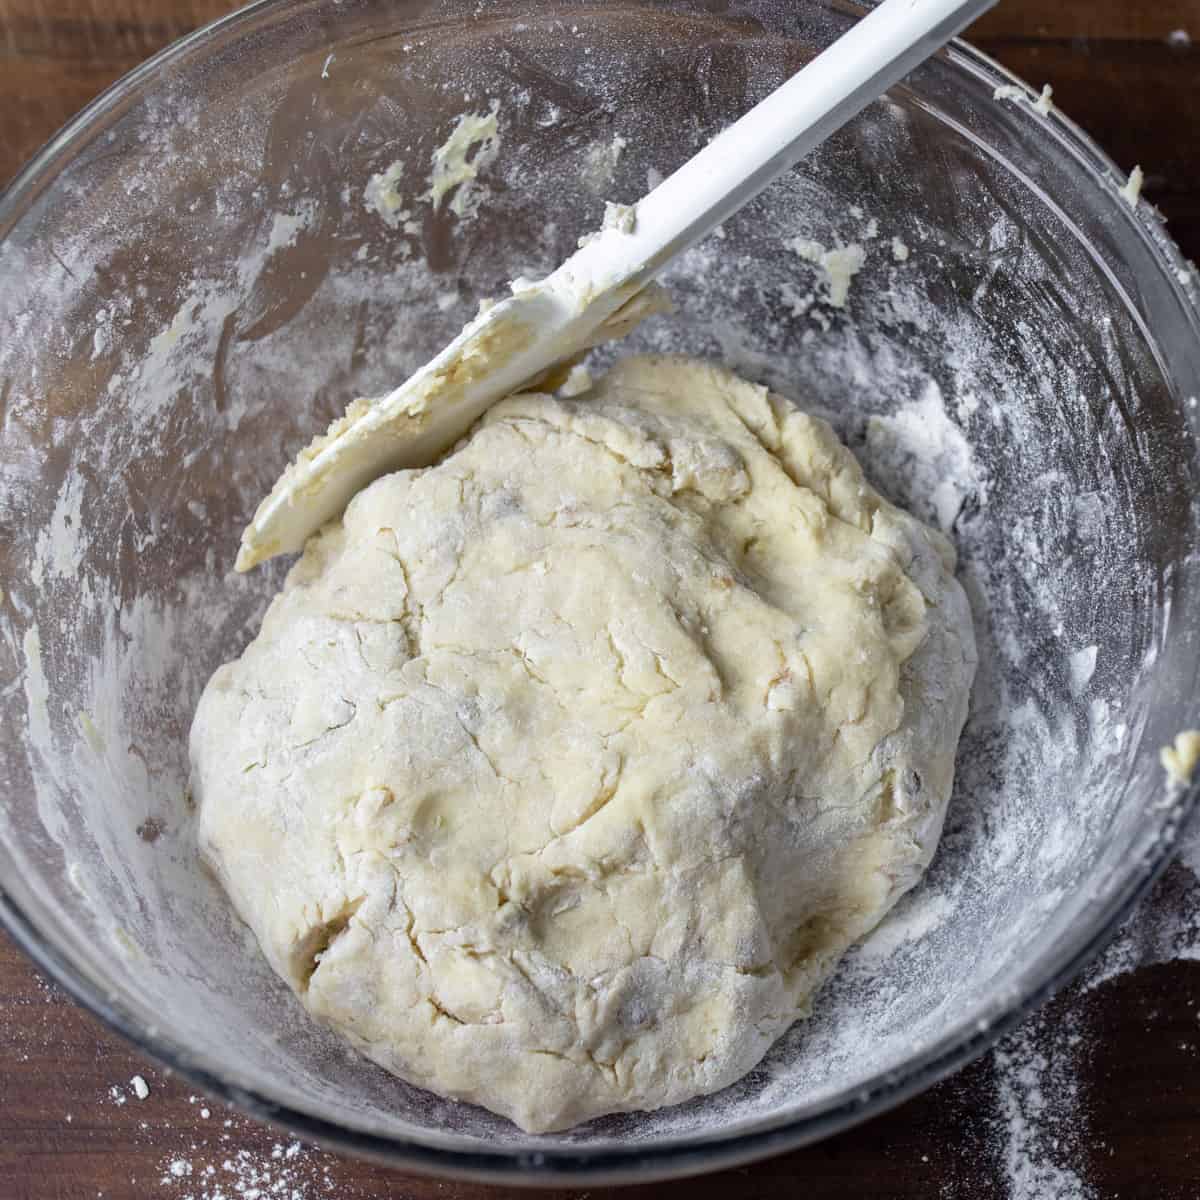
{"points": [[552, 1165]]}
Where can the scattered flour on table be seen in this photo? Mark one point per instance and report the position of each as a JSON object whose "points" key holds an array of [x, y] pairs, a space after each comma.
{"points": [[288, 1171], [1040, 1126]]}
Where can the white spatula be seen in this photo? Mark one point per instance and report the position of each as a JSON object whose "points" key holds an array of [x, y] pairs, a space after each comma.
{"points": [[598, 293]]}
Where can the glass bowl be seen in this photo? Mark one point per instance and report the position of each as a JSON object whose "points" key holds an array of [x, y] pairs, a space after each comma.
{"points": [[199, 272]]}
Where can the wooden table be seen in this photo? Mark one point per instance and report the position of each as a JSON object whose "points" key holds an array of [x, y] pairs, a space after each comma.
{"points": [[1097, 1096]]}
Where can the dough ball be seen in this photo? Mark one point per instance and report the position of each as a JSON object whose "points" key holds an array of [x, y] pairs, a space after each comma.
{"points": [[562, 772]]}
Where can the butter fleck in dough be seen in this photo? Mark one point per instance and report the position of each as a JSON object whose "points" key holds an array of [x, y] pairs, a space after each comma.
{"points": [[562, 772]]}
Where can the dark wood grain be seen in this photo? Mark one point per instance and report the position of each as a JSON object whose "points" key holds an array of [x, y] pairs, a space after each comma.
{"points": [[70, 1128]]}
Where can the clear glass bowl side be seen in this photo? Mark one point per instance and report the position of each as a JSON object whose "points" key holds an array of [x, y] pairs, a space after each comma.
{"points": [[196, 284]]}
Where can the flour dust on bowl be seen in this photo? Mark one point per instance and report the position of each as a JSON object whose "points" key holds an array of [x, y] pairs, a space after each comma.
{"points": [[243, 236]]}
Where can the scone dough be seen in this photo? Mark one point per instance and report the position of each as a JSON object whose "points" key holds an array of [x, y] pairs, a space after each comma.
{"points": [[562, 772]]}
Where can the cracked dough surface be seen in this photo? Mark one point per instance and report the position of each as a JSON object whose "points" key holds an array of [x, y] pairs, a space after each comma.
{"points": [[561, 773]]}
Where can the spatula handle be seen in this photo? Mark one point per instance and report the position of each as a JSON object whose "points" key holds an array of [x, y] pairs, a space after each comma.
{"points": [[773, 136]]}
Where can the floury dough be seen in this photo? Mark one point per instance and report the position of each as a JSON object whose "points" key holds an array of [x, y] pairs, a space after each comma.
{"points": [[562, 772]]}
